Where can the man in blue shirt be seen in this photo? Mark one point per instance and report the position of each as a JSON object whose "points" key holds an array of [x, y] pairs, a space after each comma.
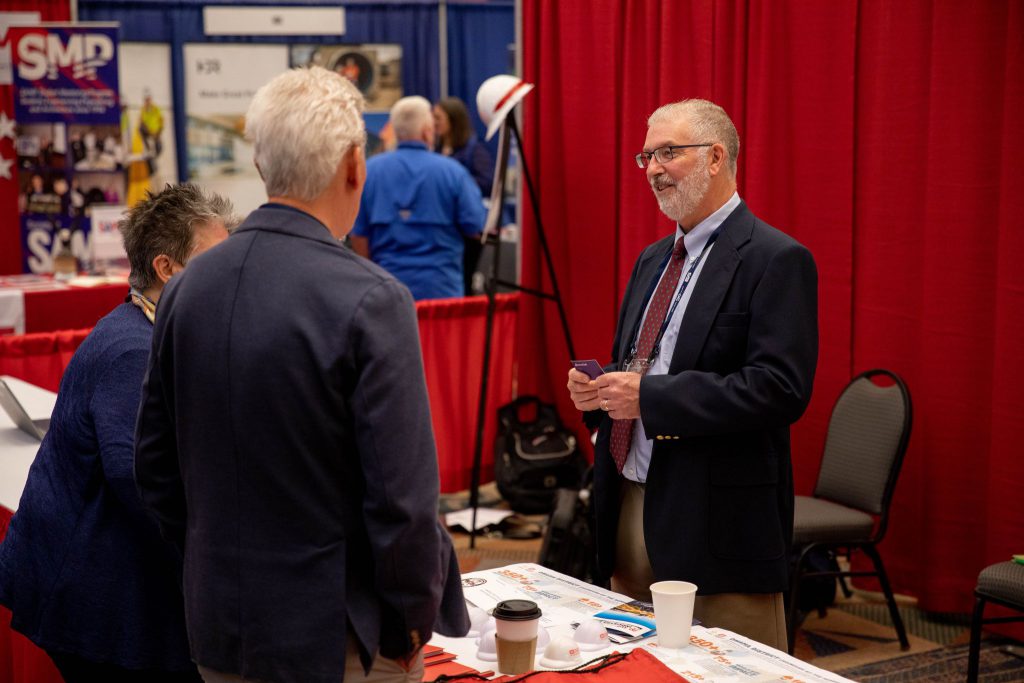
{"points": [[416, 208]]}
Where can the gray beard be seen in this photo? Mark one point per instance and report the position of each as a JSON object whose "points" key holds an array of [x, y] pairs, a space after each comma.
{"points": [[683, 199]]}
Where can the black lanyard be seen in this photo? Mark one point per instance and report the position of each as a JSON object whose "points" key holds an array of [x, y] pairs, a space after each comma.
{"points": [[656, 349]]}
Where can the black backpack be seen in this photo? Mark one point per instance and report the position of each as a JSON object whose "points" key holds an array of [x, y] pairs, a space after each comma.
{"points": [[533, 458]]}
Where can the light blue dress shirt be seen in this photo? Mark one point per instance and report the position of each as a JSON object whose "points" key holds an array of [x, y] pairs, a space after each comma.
{"points": [[639, 459]]}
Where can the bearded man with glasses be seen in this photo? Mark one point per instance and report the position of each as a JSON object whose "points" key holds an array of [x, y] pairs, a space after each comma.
{"points": [[713, 360]]}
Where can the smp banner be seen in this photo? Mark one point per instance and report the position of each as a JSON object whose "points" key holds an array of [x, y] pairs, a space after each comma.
{"points": [[65, 73], [71, 149]]}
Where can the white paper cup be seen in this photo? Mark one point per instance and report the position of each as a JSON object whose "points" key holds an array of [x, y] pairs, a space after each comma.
{"points": [[516, 623], [673, 611]]}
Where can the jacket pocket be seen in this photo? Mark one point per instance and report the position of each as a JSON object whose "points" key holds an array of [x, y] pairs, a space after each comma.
{"points": [[744, 507]]}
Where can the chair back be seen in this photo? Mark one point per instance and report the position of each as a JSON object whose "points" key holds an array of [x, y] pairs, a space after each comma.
{"points": [[867, 438]]}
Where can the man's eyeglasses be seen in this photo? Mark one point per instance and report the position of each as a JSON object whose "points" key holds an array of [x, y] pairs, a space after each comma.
{"points": [[663, 155]]}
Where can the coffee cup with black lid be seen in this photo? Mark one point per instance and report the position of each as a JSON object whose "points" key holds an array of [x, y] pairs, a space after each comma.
{"points": [[516, 624]]}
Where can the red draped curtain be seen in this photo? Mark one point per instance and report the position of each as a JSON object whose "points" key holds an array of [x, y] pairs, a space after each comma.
{"points": [[884, 136]]}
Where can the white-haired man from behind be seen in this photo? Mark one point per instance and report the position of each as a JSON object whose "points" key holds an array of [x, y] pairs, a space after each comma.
{"points": [[418, 207], [284, 442]]}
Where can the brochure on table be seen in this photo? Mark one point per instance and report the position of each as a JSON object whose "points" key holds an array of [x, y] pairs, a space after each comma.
{"points": [[714, 655]]}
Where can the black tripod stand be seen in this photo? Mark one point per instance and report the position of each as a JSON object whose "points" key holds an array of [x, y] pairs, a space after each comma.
{"points": [[492, 282]]}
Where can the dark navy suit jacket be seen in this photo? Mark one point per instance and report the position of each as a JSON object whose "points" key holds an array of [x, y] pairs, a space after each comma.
{"points": [[718, 508], [284, 444]]}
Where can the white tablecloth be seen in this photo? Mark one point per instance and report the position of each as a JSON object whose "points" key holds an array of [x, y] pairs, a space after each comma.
{"points": [[18, 449], [12, 311]]}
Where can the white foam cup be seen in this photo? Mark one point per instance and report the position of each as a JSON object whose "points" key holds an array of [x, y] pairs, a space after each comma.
{"points": [[673, 611], [516, 623]]}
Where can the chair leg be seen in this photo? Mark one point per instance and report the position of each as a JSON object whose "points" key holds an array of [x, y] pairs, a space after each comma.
{"points": [[794, 598], [974, 654], [894, 612]]}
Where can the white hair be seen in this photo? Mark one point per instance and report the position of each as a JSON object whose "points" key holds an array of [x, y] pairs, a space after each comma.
{"points": [[408, 117], [301, 125], [708, 123]]}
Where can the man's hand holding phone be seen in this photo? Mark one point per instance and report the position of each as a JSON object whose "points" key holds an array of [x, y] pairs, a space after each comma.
{"points": [[582, 389]]}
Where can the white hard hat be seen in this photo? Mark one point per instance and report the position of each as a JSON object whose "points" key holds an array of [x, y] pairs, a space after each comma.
{"points": [[543, 638], [496, 97], [477, 619], [591, 635], [487, 648], [561, 653]]}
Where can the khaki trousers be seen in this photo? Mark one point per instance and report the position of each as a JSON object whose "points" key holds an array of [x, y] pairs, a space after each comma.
{"points": [[758, 616], [383, 670]]}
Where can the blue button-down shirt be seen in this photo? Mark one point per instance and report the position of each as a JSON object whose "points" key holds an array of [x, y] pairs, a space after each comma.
{"points": [[416, 208], [639, 458]]}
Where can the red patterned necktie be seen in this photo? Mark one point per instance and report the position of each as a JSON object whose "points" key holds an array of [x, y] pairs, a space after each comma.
{"points": [[622, 430]]}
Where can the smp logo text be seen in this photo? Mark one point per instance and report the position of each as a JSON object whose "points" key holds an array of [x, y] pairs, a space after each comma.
{"points": [[44, 55]]}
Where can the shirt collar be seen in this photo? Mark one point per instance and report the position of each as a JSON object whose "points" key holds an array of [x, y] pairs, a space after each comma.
{"points": [[412, 144], [698, 237]]}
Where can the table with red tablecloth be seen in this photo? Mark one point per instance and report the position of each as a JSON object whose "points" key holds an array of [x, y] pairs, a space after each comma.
{"points": [[36, 303]]}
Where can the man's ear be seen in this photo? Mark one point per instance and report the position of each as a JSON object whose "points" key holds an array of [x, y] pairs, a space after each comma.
{"points": [[163, 266], [717, 159], [355, 169]]}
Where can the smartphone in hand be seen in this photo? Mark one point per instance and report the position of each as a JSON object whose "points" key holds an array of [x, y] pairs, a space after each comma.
{"points": [[591, 368]]}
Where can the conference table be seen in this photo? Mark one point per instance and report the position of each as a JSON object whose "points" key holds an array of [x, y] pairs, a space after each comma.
{"points": [[38, 303]]}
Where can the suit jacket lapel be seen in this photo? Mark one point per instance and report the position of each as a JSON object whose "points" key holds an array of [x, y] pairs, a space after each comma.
{"points": [[647, 276], [710, 288]]}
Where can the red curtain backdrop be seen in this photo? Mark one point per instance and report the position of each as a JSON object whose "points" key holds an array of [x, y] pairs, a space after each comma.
{"points": [[10, 226], [884, 136]]}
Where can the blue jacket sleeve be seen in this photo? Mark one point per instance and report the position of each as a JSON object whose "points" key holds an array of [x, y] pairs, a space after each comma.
{"points": [[396, 450]]}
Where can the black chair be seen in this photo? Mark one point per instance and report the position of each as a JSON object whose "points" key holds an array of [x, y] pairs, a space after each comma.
{"points": [[1002, 584], [864, 448]]}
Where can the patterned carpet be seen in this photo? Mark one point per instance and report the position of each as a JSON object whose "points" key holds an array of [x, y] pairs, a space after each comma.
{"points": [[856, 639], [998, 664]]}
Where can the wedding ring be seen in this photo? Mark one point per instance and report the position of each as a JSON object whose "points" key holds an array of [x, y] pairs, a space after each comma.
{"points": [[604, 405]]}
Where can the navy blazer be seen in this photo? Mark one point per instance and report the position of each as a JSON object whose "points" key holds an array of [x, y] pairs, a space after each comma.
{"points": [[718, 508], [284, 444]]}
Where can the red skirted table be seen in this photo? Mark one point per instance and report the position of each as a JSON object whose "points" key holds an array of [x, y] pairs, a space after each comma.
{"points": [[20, 660], [37, 303], [452, 338], [71, 308]]}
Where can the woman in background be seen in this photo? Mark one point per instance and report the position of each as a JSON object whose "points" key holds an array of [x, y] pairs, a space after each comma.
{"points": [[456, 139]]}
